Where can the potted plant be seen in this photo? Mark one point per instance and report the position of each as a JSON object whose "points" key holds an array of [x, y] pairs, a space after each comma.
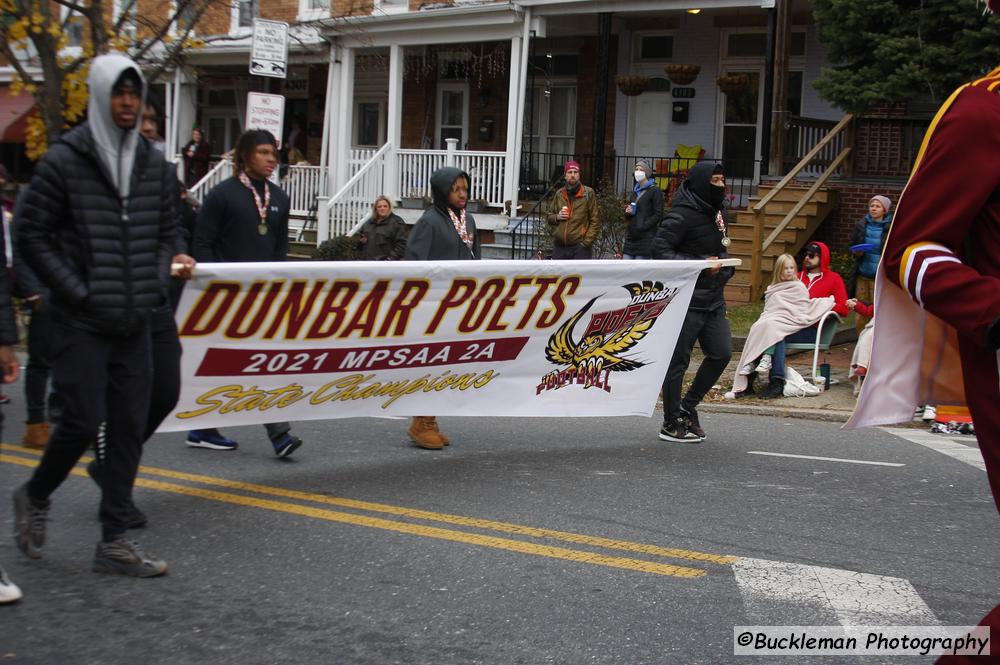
{"points": [[476, 205], [414, 199], [733, 84], [682, 74], [632, 85]]}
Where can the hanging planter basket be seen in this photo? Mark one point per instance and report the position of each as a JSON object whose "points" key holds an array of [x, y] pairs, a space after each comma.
{"points": [[733, 84], [632, 85], [682, 74]]}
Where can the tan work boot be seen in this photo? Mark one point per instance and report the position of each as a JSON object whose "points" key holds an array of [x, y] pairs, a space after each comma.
{"points": [[37, 436], [445, 440], [423, 431]]}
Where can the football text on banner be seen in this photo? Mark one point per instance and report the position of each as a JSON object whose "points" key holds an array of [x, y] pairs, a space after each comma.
{"points": [[270, 342]]}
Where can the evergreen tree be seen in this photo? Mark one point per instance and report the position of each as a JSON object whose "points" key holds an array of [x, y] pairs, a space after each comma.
{"points": [[895, 51]]}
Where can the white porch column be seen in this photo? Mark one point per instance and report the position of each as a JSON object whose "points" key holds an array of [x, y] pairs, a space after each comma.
{"points": [[326, 184], [451, 147], [515, 91], [394, 123], [518, 128], [345, 103], [332, 136]]}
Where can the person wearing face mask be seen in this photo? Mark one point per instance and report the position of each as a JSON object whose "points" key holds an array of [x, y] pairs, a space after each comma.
{"points": [[643, 213], [696, 228], [572, 217]]}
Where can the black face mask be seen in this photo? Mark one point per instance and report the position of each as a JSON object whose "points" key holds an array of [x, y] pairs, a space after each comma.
{"points": [[717, 195]]}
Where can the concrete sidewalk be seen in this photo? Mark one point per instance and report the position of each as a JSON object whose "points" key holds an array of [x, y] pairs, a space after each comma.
{"points": [[835, 404]]}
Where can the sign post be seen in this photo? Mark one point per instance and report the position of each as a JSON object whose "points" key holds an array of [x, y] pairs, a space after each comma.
{"points": [[269, 53]]}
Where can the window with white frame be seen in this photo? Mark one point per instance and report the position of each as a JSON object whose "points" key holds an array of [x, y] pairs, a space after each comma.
{"points": [[73, 26], [391, 5], [248, 10], [313, 9], [128, 25]]}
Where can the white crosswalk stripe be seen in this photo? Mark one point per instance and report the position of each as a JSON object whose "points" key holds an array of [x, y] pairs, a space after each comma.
{"points": [[795, 594], [961, 447]]}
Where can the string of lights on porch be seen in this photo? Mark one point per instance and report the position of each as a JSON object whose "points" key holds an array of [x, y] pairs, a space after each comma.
{"points": [[457, 62]]}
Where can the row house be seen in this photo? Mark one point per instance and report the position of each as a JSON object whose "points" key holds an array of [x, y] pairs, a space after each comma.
{"points": [[386, 91]]}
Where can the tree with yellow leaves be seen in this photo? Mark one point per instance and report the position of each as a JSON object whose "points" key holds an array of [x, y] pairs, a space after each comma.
{"points": [[35, 38]]}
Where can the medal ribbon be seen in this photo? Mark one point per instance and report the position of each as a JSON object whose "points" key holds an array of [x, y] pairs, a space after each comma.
{"points": [[261, 205]]}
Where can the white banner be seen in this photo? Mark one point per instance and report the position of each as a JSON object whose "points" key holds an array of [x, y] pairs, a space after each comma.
{"points": [[271, 342]]}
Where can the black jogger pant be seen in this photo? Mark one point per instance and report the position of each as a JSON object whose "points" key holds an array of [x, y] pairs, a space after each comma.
{"points": [[100, 379], [710, 328]]}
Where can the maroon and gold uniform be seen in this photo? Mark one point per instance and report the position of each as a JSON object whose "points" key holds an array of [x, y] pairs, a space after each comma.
{"points": [[937, 316]]}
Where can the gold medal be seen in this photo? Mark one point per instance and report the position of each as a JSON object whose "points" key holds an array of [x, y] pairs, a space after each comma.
{"points": [[262, 230], [726, 241]]}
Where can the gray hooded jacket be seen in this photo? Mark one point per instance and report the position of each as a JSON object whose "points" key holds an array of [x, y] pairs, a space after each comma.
{"points": [[98, 224], [115, 146]]}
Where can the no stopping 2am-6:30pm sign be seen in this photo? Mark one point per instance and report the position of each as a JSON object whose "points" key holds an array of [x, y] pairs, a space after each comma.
{"points": [[270, 342]]}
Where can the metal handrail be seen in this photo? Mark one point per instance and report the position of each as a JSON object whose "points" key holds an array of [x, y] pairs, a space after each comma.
{"points": [[760, 244], [514, 232]]}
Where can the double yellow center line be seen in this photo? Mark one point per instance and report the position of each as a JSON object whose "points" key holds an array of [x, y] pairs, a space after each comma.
{"points": [[208, 491]]}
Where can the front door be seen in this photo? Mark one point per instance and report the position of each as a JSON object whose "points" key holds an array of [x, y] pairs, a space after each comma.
{"points": [[740, 120], [650, 123]]}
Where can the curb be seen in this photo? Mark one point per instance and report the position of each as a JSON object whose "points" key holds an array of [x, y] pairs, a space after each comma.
{"points": [[827, 415]]}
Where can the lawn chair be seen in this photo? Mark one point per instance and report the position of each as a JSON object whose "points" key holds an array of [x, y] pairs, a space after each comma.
{"points": [[824, 337]]}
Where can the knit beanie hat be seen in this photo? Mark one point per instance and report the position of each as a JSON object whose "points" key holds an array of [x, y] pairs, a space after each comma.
{"points": [[571, 164], [642, 164], [884, 200]]}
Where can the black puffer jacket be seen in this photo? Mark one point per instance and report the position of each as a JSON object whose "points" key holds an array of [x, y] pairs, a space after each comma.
{"points": [[106, 264], [690, 231], [642, 226], [433, 237], [8, 328]]}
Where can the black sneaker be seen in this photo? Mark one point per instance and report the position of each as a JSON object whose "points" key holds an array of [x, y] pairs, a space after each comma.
{"points": [[690, 417], [29, 523], [677, 431], [124, 557], [286, 445], [136, 519]]}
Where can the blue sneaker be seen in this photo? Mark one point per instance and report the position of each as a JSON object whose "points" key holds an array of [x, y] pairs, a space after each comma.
{"points": [[200, 438], [286, 445]]}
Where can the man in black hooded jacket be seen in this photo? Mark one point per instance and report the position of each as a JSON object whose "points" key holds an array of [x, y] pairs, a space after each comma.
{"points": [[695, 228], [98, 229]]}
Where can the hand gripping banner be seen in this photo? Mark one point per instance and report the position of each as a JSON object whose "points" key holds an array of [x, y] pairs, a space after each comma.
{"points": [[270, 342]]}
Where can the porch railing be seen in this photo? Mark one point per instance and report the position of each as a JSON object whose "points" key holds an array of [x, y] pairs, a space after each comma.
{"points": [[221, 171], [539, 170], [804, 134], [486, 169], [840, 134], [303, 184], [352, 203]]}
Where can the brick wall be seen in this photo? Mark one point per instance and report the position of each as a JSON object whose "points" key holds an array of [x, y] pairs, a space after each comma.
{"points": [[351, 7], [854, 197]]}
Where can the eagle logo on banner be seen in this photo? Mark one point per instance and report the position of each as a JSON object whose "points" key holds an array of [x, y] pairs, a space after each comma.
{"points": [[609, 336]]}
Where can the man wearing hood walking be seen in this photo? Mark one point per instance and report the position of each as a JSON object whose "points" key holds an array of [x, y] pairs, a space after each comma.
{"points": [[445, 232], [98, 229], [694, 229]]}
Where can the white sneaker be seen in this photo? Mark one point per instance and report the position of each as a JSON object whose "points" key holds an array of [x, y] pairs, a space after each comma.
{"points": [[930, 413], [746, 369], [764, 366], [9, 592]]}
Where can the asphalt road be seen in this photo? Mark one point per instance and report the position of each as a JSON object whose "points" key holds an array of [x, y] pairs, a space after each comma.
{"points": [[526, 541]]}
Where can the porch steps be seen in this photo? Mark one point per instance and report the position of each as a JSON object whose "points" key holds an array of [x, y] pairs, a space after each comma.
{"points": [[791, 240]]}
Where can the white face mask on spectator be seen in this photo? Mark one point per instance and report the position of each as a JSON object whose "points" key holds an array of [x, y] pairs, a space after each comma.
{"points": [[640, 175]]}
